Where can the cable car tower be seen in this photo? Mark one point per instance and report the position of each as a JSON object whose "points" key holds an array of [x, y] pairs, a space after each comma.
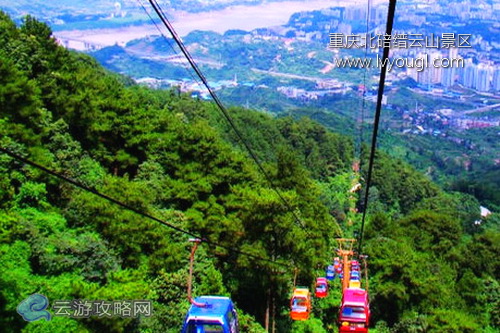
{"points": [[354, 314], [345, 250]]}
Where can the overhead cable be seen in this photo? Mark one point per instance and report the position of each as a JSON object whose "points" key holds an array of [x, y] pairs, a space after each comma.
{"points": [[223, 109], [380, 95], [132, 209]]}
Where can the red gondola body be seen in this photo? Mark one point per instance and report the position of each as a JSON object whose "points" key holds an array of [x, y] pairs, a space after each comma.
{"points": [[354, 311], [321, 287]]}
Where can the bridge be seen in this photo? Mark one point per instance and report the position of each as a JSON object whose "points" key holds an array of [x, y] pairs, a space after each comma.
{"points": [[79, 44]]}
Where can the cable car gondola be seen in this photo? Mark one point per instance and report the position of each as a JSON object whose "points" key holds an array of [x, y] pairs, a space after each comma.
{"points": [[211, 314], [300, 304], [354, 311], [330, 273], [354, 283], [321, 287], [337, 265], [208, 314], [355, 265]]}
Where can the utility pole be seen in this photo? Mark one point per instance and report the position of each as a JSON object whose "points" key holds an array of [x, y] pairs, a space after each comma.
{"points": [[196, 241], [366, 271]]}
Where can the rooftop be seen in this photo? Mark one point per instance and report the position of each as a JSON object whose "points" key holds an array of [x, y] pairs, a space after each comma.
{"points": [[355, 296], [301, 292], [217, 306]]}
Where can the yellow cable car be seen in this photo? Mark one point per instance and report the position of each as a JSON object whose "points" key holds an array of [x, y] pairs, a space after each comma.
{"points": [[354, 284], [300, 304]]}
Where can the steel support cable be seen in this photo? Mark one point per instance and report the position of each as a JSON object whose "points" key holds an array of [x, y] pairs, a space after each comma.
{"points": [[385, 57], [363, 102], [359, 145], [134, 210], [168, 42], [223, 109]]}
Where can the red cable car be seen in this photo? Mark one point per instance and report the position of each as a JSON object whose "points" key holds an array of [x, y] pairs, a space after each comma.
{"points": [[337, 265], [321, 287], [355, 311], [355, 265]]}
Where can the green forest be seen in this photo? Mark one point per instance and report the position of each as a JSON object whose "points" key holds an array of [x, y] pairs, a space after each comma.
{"points": [[433, 262]]}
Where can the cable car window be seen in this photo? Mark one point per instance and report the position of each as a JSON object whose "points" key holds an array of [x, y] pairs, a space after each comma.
{"points": [[321, 287], [231, 319], [204, 328], [299, 304], [357, 312]]}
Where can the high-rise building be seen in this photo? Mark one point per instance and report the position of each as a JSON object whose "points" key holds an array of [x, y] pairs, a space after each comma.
{"points": [[431, 74], [345, 29], [482, 78], [495, 83], [453, 53], [448, 76], [412, 72], [468, 77], [355, 14], [436, 72]]}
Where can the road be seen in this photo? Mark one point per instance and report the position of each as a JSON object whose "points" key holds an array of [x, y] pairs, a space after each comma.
{"points": [[480, 110], [289, 76]]}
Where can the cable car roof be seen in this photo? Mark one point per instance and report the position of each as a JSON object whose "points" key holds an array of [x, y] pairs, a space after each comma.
{"points": [[355, 296], [301, 292], [217, 306]]}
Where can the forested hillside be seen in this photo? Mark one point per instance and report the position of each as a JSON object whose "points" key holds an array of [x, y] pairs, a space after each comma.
{"points": [[173, 157]]}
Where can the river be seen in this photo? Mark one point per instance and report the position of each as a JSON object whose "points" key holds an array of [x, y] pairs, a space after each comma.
{"points": [[235, 17]]}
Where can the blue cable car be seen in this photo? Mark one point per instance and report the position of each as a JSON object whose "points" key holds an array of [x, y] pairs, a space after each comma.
{"points": [[330, 273], [355, 275], [217, 314]]}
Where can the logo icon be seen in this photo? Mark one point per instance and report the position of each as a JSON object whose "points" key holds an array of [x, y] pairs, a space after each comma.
{"points": [[33, 308]]}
